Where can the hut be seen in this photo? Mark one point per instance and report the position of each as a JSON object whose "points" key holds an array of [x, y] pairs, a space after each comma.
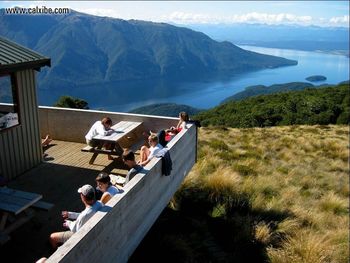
{"points": [[20, 143]]}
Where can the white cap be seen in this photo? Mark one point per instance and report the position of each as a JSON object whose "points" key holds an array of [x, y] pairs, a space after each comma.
{"points": [[87, 191]]}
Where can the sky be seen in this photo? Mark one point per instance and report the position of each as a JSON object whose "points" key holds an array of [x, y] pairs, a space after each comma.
{"points": [[320, 13]]}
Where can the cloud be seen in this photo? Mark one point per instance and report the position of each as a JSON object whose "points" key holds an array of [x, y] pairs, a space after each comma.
{"points": [[340, 20], [98, 11], [253, 17], [270, 18]]}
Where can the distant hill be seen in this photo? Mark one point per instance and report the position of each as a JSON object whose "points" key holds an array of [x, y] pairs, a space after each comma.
{"points": [[165, 109], [262, 89], [328, 105], [316, 78], [346, 82], [308, 38], [91, 50]]}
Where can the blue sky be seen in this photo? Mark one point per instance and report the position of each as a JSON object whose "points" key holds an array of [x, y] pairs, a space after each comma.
{"points": [[321, 13]]}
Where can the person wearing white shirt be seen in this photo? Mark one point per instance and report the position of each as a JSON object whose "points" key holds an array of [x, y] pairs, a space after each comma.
{"points": [[102, 127], [104, 184], [87, 195], [146, 153]]}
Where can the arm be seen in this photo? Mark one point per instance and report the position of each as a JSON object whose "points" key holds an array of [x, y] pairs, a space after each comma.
{"points": [[179, 124], [145, 162], [105, 197], [73, 215], [152, 152], [101, 130], [74, 226], [69, 224], [70, 215]]}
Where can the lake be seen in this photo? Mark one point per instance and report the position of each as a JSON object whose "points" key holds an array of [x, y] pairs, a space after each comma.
{"points": [[126, 95]]}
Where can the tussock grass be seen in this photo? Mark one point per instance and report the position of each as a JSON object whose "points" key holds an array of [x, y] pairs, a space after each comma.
{"points": [[306, 247], [263, 233], [334, 204], [277, 195], [295, 181]]}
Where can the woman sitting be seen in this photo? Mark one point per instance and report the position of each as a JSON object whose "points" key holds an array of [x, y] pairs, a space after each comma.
{"points": [[165, 135], [180, 125], [104, 184], [146, 153]]}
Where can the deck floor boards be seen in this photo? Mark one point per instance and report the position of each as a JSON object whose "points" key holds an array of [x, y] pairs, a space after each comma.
{"points": [[64, 169]]}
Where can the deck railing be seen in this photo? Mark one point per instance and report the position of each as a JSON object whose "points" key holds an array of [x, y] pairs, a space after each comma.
{"points": [[112, 235], [72, 124]]}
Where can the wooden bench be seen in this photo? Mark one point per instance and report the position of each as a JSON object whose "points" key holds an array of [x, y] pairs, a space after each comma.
{"points": [[15, 204], [43, 205], [98, 151], [125, 132]]}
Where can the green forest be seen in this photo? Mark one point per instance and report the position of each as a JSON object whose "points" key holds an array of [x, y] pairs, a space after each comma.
{"points": [[328, 105]]}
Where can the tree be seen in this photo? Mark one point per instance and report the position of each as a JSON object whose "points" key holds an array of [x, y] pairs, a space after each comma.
{"points": [[71, 102]]}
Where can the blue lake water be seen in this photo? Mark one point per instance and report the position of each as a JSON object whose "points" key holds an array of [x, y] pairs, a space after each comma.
{"points": [[124, 96]]}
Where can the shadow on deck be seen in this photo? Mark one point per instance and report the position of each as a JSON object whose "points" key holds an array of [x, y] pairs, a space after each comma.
{"points": [[64, 170]]}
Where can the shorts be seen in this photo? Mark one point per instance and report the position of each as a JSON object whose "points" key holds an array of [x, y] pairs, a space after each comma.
{"points": [[65, 235]]}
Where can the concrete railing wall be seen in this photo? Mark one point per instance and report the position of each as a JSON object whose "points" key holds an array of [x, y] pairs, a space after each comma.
{"points": [[114, 235], [72, 124]]}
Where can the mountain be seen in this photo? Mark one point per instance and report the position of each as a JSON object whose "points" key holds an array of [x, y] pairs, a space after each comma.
{"points": [[165, 109], [262, 89], [95, 51], [279, 36], [308, 38], [276, 88], [327, 105]]}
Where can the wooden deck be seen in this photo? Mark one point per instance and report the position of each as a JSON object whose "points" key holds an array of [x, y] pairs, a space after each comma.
{"points": [[64, 170], [70, 154]]}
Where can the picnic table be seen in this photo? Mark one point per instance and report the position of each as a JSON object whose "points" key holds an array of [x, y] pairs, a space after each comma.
{"points": [[121, 130], [17, 204]]}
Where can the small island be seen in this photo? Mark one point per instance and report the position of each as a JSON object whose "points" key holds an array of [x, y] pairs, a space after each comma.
{"points": [[316, 78]]}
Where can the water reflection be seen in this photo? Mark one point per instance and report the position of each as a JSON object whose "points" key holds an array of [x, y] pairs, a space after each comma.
{"points": [[206, 92]]}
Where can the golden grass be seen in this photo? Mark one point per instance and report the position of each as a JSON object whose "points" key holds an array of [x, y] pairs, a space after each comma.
{"points": [[306, 247], [263, 233], [300, 172]]}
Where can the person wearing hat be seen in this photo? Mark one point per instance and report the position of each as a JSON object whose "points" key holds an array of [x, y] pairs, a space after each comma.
{"points": [[104, 184], [87, 195]]}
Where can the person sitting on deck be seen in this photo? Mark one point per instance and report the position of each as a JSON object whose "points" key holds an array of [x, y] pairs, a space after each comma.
{"points": [[148, 153], [104, 184], [102, 127], [45, 142], [129, 159], [87, 195], [164, 136], [180, 125]]}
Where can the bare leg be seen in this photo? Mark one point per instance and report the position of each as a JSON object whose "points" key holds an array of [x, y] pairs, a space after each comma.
{"points": [[144, 152], [46, 141], [108, 146], [55, 239]]}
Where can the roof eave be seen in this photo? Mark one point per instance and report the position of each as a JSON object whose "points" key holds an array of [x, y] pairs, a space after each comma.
{"points": [[35, 64]]}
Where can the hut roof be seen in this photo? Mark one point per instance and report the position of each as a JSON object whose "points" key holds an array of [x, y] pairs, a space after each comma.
{"points": [[14, 57]]}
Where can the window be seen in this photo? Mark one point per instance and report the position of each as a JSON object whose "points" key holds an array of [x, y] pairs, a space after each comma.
{"points": [[8, 102]]}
